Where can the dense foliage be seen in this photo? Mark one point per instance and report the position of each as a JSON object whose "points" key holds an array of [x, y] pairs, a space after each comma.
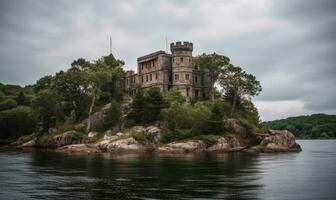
{"points": [[16, 122], [69, 99], [313, 126], [68, 96], [146, 106]]}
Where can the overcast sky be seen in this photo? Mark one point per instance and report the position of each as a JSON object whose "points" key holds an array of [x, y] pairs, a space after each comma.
{"points": [[289, 45]]}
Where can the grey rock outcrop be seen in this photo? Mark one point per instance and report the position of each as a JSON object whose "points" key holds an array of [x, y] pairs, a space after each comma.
{"points": [[79, 148], [24, 139], [125, 145], [138, 129], [153, 133], [280, 141], [222, 145], [92, 134], [235, 126], [66, 138], [183, 147], [226, 145], [31, 143], [276, 141]]}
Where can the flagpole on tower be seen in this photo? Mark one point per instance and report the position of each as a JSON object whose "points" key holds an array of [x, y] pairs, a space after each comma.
{"points": [[110, 45]]}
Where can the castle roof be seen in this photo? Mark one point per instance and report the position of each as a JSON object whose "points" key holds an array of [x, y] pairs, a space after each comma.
{"points": [[151, 56]]}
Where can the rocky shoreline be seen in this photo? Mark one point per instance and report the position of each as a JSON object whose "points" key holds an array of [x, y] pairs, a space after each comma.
{"points": [[71, 142]]}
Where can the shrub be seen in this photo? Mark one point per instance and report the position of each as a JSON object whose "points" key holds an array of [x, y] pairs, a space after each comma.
{"points": [[178, 134], [2, 96], [16, 122], [22, 99], [208, 139], [174, 96], [7, 104]]}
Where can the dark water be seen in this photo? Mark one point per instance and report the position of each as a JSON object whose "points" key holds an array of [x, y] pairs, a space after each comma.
{"points": [[310, 174]]}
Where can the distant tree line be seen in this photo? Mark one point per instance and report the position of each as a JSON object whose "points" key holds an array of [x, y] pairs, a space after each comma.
{"points": [[314, 126]]}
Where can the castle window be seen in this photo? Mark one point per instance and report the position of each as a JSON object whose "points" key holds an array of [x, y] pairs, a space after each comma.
{"points": [[188, 89], [187, 76], [146, 78], [181, 59], [142, 79], [196, 93], [195, 79], [170, 79], [156, 75], [150, 77], [196, 67], [176, 77]]}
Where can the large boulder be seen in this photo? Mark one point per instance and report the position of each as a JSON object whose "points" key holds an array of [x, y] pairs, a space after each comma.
{"points": [[108, 135], [66, 138], [183, 147], [125, 145], [280, 141], [138, 129], [79, 148], [221, 145], [24, 139], [31, 143], [92, 134], [153, 133], [233, 143], [235, 126]]}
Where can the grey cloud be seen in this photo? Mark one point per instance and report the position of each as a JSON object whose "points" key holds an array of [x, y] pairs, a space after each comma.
{"points": [[288, 45]]}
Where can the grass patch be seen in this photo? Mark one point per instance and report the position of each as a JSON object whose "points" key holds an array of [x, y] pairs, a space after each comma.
{"points": [[208, 139]]}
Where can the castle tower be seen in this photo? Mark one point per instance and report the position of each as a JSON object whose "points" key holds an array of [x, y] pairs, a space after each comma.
{"points": [[182, 67]]}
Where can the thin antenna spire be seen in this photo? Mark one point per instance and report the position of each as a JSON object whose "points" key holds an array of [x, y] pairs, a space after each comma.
{"points": [[110, 45]]}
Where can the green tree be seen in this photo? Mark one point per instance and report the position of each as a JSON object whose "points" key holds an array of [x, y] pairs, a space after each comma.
{"points": [[16, 122], [153, 104], [137, 107], [71, 86], [174, 95], [44, 83], [21, 99], [236, 83], [214, 63], [2, 96], [7, 104], [46, 109]]}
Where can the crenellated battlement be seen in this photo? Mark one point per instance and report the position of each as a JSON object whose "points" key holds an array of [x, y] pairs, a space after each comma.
{"points": [[175, 46]]}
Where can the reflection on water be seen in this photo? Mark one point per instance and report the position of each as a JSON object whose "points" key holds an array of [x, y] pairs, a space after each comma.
{"points": [[47, 175]]}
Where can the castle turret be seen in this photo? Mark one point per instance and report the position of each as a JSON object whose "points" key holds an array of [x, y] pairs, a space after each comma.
{"points": [[182, 67]]}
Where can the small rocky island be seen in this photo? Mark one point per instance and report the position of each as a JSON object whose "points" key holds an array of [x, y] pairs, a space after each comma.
{"points": [[141, 139], [171, 105]]}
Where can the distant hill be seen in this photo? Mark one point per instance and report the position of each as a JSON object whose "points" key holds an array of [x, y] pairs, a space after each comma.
{"points": [[314, 126]]}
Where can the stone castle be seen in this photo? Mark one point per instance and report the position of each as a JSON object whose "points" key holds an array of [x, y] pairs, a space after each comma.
{"points": [[177, 70]]}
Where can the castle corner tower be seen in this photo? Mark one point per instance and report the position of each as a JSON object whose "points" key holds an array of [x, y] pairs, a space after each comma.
{"points": [[182, 68]]}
